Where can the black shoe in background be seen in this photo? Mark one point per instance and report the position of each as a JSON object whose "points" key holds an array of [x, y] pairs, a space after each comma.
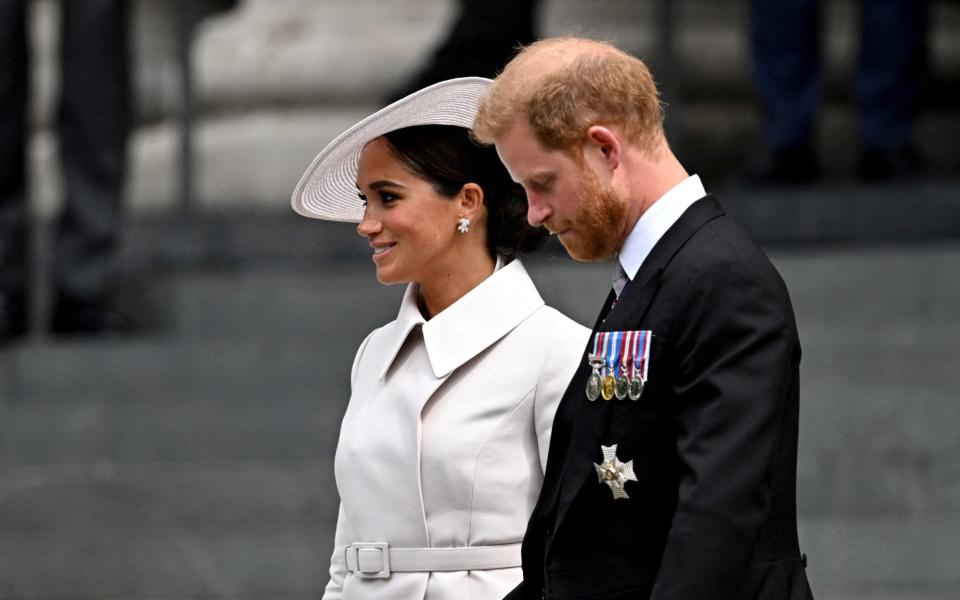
{"points": [[81, 317], [781, 166], [901, 163], [13, 318]]}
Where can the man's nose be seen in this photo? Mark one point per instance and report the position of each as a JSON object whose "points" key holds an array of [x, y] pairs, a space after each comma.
{"points": [[537, 210]]}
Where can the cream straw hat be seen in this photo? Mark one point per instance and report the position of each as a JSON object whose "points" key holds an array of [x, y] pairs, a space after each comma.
{"points": [[328, 190]]}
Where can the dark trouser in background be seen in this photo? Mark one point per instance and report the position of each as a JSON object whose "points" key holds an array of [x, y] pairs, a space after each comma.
{"points": [[92, 122], [785, 36]]}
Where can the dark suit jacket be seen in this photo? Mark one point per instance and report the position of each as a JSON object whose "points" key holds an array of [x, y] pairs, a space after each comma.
{"points": [[713, 439]]}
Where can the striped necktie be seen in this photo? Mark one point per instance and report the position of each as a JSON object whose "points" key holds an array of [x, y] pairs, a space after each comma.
{"points": [[620, 279]]}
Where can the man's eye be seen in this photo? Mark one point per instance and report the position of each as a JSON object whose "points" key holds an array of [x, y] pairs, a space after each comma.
{"points": [[540, 186]]}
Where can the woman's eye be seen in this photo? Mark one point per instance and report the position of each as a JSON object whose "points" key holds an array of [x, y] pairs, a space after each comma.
{"points": [[387, 197], [363, 200]]}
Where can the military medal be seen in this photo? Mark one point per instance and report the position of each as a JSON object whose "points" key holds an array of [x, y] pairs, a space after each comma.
{"points": [[608, 387], [613, 472], [641, 356], [622, 388], [597, 361], [593, 382], [618, 364]]}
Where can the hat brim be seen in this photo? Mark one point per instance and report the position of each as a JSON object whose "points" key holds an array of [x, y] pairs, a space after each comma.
{"points": [[328, 189]]}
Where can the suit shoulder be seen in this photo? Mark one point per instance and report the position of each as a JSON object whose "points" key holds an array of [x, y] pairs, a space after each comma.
{"points": [[721, 249]]}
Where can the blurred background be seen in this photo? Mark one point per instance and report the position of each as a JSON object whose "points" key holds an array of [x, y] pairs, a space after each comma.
{"points": [[172, 434]]}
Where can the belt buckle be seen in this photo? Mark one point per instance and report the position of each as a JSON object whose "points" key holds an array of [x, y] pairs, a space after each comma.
{"points": [[366, 552]]}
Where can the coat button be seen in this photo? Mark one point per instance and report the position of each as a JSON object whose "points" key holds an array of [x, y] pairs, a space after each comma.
{"points": [[549, 531]]}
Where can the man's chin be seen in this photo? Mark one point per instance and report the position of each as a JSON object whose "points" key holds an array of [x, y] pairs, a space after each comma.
{"points": [[582, 250]]}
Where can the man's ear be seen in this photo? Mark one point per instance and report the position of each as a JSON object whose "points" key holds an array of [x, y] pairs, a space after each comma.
{"points": [[606, 145], [471, 201]]}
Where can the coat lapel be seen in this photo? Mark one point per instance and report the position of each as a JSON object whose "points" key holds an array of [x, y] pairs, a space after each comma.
{"points": [[480, 318], [468, 326], [590, 419]]}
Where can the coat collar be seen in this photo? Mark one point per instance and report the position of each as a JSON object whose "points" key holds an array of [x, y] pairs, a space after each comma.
{"points": [[471, 324]]}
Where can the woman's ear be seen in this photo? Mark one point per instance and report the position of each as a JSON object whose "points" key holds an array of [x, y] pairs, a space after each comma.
{"points": [[606, 145], [471, 201]]}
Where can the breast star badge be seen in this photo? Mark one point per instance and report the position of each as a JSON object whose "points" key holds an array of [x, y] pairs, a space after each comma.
{"points": [[613, 472]]}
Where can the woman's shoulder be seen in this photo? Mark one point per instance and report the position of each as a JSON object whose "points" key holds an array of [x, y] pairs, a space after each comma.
{"points": [[371, 347], [553, 325]]}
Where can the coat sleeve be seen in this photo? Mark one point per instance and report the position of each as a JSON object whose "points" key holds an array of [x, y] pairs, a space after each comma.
{"points": [[736, 357], [560, 363], [338, 567]]}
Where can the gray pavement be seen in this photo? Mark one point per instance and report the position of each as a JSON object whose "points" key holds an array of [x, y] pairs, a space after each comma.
{"points": [[195, 462]]}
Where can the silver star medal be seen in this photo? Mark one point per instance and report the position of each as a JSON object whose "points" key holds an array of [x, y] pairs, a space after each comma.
{"points": [[613, 472]]}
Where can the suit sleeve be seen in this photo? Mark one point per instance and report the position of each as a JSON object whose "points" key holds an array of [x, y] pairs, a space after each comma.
{"points": [[736, 356]]}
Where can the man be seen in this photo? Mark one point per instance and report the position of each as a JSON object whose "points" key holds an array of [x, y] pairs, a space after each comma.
{"points": [[92, 122], [685, 486]]}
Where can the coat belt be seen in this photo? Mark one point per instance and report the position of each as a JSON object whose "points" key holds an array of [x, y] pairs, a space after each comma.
{"points": [[376, 560]]}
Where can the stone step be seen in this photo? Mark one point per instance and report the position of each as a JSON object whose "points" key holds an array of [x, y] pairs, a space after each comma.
{"points": [[292, 423], [882, 557], [215, 496], [888, 558], [779, 218], [143, 368], [255, 563]]}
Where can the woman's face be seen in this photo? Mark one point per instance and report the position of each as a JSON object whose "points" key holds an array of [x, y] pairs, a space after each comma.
{"points": [[411, 228]]}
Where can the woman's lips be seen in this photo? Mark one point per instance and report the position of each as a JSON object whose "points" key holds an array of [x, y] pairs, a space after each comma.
{"points": [[379, 252]]}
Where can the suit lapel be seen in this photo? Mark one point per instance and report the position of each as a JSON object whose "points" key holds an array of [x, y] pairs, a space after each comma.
{"points": [[589, 419]]}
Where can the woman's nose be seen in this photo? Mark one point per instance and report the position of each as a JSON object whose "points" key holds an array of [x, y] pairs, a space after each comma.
{"points": [[367, 225]]}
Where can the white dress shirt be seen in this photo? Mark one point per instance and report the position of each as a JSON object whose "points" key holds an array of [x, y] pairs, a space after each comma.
{"points": [[652, 224]]}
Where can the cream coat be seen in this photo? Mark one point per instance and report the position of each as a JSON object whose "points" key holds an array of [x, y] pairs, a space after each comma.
{"points": [[445, 438]]}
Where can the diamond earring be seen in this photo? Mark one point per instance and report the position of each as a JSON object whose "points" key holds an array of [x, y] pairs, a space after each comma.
{"points": [[463, 225]]}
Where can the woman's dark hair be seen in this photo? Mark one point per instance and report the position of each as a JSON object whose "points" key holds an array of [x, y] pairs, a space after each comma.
{"points": [[448, 158]]}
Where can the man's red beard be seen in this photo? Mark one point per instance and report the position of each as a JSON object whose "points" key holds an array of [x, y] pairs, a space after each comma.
{"points": [[597, 228]]}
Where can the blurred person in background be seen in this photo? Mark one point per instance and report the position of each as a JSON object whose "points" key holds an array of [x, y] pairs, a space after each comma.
{"points": [[891, 74], [444, 441], [484, 35], [92, 121]]}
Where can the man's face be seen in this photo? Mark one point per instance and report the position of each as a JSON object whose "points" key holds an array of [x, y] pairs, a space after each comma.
{"points": [[564, 194]]}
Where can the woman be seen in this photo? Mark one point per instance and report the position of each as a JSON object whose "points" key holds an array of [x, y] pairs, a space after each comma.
{"points": [[444, 442]]}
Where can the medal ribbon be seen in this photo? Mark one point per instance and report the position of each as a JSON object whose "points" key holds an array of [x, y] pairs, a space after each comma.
{"points": [[625, 345], [604, 351], [634, 352], [597, 343], [641, 360], [612, 362]]}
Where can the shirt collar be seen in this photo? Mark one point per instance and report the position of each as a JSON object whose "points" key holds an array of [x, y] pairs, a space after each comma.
{"points": [[471, 324], [657, 219]]}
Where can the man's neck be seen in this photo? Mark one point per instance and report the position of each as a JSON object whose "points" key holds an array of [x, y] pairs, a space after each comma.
{"points": [[652, 177]]}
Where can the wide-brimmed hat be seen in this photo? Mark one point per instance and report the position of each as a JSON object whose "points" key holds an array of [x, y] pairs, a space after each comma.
{"points": [[328, 190]]}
